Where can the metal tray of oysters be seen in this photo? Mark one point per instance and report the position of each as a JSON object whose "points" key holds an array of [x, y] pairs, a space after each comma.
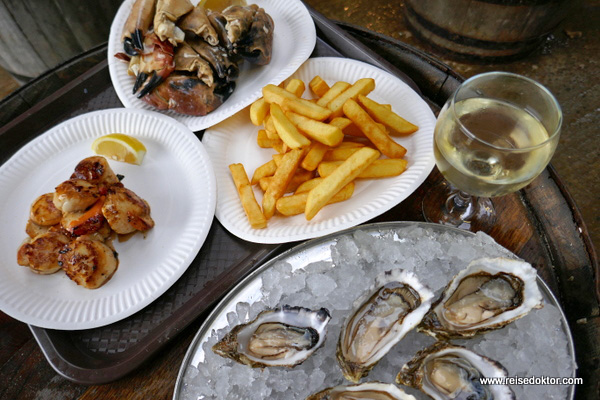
{"points": [[454, 306]]}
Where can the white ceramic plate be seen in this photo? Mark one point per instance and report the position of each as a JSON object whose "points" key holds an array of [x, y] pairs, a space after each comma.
{"points": [[234, 141], [293, 42], [177, 180]]}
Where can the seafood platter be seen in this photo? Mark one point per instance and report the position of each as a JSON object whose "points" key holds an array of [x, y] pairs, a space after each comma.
{"points": [[443, 308], [83, 203], [201, 66]]}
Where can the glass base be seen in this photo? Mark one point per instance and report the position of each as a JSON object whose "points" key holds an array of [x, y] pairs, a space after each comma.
{"points": [[446, 205]]}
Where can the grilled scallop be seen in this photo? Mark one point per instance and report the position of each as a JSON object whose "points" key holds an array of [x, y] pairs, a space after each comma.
{"points": [[43, 211], [84, 222], [41, 253], [89, 263], [96, 171], [32, 229], [75, 195], [126, 212]]}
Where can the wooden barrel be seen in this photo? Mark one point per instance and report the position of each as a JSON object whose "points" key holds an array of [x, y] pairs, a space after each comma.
{"points": [[485, 29], [38, 35]]}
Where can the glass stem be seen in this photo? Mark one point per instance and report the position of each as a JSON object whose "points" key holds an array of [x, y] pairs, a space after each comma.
{"points": [[459, 202], [462, 199]]}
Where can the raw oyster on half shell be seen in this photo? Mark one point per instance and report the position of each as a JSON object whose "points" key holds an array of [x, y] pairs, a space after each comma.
{"points": [[393, 306], [444, 371], [367, 391], [489, 294], [282, 337]]}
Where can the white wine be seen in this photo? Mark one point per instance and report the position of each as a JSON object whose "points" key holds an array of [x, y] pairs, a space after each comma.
{"points": [[486, 150]]}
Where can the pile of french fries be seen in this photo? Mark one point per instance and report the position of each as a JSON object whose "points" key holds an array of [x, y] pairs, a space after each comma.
{"points": [[322, 145]]}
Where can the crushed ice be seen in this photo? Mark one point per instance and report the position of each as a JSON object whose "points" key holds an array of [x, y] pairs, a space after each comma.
{"points": [[335, 284]]}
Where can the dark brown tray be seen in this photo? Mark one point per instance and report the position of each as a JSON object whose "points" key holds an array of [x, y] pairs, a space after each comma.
{"points": [[540, 224]]}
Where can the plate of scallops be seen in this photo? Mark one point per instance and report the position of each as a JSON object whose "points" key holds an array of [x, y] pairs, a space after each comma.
{"points": [[200, 63], [86, 240]]}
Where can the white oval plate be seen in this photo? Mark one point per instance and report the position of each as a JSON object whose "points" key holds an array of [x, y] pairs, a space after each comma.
{"points": [[177, 180], [234, 141], [293, 42]]}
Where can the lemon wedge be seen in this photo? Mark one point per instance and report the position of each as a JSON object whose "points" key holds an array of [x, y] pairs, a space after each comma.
{"points": [[120, 147]]}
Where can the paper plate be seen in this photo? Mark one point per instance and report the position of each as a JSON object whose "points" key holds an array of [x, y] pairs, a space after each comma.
{"points": [[177, 180], [234, 141], [293, 25]]}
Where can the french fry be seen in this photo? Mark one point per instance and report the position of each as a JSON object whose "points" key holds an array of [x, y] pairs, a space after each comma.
{"points": [[270, 128], [277, 158], [319, 131], [318, 86], [258, 111], [308, 185], [340, 122], [298, 179], [348, 144], [362, 86], [382, 114], [275, 94], [306, 108], [339, 135], [255, 216], [295, 86], [349, 128], [340, 153], [380, 138], [333, 92], [286, 130], [280, 147], [384, 168], [314, 156], [344, 174], [296, 203], [264, 182], [263, 141], [281, 179], [267, 169]]}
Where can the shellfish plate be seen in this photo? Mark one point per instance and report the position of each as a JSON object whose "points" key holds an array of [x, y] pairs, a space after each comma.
{"points": [[333, 272]]}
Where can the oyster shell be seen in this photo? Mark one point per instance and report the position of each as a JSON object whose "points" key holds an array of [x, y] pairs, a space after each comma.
{"points": [[284, 336], [444, 371], [394, 305], [367, 390], [489, 294]]}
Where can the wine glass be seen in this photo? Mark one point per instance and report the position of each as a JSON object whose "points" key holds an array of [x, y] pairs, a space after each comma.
{"points": [[493, 136]]}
